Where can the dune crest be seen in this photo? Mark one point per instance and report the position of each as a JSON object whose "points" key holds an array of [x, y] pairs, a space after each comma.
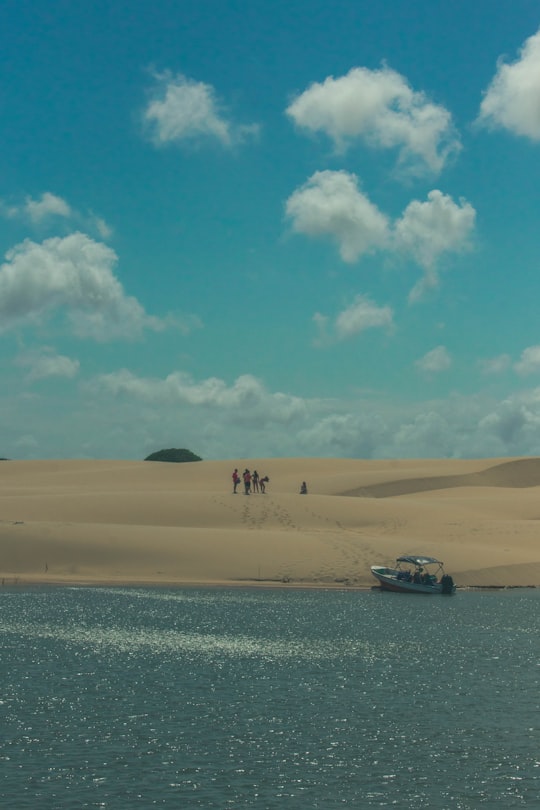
{"points": [[524, 472]]}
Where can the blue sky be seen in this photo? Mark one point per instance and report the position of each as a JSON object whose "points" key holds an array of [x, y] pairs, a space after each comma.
{"points": [[253, 229]]}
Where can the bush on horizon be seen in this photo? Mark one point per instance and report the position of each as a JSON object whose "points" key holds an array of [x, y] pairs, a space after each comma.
{"points": [[173, 454]]}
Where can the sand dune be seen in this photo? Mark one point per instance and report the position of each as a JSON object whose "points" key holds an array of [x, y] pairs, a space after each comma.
{"points": [[151, 522], [524, 472]]}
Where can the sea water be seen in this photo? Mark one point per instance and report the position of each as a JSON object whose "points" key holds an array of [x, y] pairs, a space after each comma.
{"points": [[218, 698]]}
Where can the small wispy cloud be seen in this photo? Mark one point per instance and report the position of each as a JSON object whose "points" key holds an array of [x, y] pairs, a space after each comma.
{"points": [[49, 208], [360, 315], [496, 365], [49, 205], [435, 361], [45, 362], [182, 110], [104, 230]]}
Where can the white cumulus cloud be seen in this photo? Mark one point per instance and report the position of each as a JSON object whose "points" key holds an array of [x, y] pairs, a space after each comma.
{"points": [[181, 109], [73, 274], [514, 423], [380, 107], [427, 230], [512, 100], [331, 204]]}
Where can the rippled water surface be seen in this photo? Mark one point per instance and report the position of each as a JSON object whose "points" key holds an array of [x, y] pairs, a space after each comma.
{"points": [[120, 698]]}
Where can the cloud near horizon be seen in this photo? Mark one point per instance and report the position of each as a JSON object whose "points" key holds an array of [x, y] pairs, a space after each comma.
{"points": [[529, 362], [73, 274], [45, 362], [380, 108], [511, 101], [246, 393], [183, 110], [148, 410]]}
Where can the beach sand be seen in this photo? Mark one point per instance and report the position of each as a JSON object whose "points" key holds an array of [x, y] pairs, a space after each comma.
{"points": [[155, 523]]}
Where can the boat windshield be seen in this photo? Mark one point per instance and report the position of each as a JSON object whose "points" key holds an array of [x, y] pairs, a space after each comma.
{"points": [[413, 560]]}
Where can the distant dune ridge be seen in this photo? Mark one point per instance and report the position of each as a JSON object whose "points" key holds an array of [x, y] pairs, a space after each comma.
{"points": [[524, 472], [131, 522]]}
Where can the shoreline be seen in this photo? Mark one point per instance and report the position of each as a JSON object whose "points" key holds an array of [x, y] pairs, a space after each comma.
{"points": [[269, 584]]}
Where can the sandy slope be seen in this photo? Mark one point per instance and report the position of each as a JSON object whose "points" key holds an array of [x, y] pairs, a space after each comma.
{"points": [[114, 521]]}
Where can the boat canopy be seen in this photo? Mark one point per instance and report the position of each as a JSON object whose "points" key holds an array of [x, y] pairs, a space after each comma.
{"points": [[418, 560]]}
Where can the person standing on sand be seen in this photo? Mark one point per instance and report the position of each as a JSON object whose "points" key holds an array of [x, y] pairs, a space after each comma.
{"points": [[255, 481], [303, 488], [247, 481], [235, 480]]}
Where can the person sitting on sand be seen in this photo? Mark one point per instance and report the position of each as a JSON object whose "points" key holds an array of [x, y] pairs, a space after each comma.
{"points": [[303, 488]]}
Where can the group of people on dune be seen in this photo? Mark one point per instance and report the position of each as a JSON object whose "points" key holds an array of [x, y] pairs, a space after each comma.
{"points": [[253, 482]]}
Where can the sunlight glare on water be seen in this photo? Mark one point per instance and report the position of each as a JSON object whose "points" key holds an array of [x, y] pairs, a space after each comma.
{"points": [[241, 698]]}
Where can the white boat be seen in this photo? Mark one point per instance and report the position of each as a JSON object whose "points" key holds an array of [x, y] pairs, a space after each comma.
{"points": [[415, 574]]}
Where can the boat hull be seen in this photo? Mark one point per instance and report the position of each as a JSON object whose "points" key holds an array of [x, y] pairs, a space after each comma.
{"points": [[388, 580]]}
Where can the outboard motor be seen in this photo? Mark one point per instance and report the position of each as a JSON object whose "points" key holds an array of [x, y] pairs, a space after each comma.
{"points": [[447, 584]]}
